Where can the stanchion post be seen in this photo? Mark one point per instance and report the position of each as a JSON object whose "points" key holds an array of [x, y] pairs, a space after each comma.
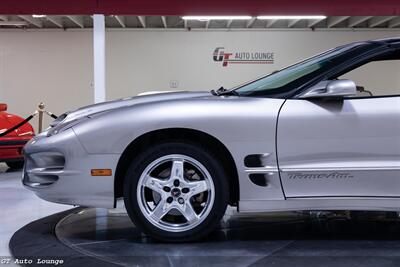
{"points": [[40, 111]]}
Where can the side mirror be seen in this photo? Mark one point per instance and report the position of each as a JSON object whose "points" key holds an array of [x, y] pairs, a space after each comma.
{"points": [[335, 88], [3, 107]]}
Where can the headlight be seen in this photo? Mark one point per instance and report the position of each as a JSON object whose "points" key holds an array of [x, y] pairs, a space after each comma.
{"points": [[52, 131], [65, 126]]}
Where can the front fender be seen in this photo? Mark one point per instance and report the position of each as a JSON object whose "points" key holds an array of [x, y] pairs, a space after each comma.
{"points": [[244, 125]]}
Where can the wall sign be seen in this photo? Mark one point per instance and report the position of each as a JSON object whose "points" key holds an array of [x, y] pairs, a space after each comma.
{"points": [[227, 58]]}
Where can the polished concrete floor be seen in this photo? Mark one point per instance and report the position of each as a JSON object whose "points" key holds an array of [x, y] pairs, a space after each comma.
{"points": [[273, 239], [18, 206]]}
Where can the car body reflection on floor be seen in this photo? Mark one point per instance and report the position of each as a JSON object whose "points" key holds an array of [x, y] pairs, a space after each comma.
{"points": [[284, 239], [19, 206]]}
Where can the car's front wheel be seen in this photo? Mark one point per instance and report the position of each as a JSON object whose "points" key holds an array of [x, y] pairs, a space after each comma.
{"points": [[176, 191]]}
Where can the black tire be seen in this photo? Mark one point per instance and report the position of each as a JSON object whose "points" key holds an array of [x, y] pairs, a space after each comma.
{"points": [[15, 165], [210, 162]]}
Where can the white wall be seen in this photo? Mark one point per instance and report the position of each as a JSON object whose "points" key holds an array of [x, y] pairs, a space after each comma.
{"points": [[56, 66], [53, 67], [142, 61], [378, 77]]}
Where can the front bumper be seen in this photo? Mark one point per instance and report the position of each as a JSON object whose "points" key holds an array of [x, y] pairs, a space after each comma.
{"points": [[58, 169], [11, 148]]}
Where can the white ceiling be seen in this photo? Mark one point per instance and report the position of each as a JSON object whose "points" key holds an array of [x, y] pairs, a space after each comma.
{"points": [[176, 22]]}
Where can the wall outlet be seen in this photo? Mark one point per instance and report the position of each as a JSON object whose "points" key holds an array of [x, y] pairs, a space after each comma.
{"points": [[173, 84]]}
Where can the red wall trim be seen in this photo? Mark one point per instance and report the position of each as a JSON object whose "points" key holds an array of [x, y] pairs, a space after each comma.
{"points": [[203, 7]]}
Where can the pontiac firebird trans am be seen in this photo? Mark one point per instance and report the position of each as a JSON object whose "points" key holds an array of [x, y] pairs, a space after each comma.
{"points": [[302, 138]]}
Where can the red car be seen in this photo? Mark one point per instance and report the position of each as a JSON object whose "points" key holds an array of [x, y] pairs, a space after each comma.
{"points": [[12, 143]]}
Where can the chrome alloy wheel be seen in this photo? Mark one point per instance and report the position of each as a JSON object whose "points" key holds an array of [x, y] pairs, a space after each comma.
{"points": [[175, 193]]}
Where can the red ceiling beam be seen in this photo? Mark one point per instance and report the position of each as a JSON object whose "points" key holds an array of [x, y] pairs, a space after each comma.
{"points": [[203, 7]]}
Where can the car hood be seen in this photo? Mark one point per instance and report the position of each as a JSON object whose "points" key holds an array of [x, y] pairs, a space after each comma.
{"points": [[6, 124], [8, 121], [90, 110]]}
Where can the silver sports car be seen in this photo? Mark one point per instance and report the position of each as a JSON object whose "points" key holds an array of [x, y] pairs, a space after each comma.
{"points": [[301, 138]]}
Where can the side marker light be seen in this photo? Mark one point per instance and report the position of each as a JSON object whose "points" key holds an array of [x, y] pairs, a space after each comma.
{"points": [[101, 172]]}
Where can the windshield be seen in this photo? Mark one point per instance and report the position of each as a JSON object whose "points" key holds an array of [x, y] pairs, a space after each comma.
{"points": [[294, 76]]}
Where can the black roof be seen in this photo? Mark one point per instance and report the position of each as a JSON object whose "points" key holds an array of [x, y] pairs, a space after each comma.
{"points": [[388, 40]]}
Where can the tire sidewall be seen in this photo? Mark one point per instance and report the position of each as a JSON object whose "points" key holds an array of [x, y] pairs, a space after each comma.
{"points": [[210, 162]]}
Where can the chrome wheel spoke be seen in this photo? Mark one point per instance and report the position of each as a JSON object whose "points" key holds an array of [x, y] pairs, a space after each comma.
{"points": [[160, 210], [155, 184], [188, 212], [177, 169], [197, 187], [172, 194]]}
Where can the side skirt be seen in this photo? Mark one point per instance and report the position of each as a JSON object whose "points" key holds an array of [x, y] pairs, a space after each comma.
{"points": [[340, 203]]}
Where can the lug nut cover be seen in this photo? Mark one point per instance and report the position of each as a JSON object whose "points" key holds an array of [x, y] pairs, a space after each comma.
{"points": [[185, 190], [167, 189]]}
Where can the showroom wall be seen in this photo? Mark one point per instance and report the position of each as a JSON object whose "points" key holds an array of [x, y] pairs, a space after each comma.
{"points": [[145, 61], [50, 65], [53, 67]]}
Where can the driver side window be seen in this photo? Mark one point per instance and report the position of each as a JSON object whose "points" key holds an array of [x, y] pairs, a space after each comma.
{"points": [[376, 78]]}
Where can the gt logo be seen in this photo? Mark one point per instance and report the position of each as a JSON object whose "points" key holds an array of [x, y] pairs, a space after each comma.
{"points": [[219, 55], [5, 261]]}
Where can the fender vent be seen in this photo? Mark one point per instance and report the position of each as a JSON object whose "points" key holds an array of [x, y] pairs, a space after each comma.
{"points": [[259, 179], [256, 160]]}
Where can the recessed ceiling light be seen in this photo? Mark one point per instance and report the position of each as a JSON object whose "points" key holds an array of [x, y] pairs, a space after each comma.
{"points": [[291, 17], [205, 18], [13, 23], [38, 16]]}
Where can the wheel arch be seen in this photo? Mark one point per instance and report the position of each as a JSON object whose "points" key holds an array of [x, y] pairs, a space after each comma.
{"points": [[195, 136]]}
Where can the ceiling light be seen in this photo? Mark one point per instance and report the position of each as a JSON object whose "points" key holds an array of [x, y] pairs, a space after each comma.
{"points": [[38, 16], [13, 23], [206, 18], [290, 17]]}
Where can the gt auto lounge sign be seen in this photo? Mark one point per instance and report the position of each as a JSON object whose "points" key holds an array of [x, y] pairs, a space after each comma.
{"points": [[227, 58]]}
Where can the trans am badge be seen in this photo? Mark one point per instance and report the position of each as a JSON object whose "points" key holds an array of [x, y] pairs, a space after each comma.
{"points": [[242, 57], [331, 175]]}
